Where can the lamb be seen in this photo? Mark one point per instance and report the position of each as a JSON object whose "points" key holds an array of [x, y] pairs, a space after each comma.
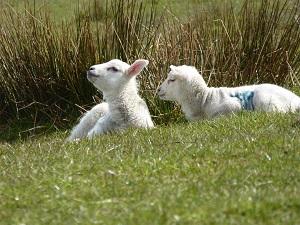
{"points": [[187, 87], [123, 107]]}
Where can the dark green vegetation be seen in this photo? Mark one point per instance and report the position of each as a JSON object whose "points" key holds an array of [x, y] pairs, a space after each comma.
{"points": [[236, 170], [43, 62]]}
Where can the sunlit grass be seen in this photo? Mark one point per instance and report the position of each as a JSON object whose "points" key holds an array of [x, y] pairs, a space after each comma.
{"points": [[240, 169], [234, 170]]}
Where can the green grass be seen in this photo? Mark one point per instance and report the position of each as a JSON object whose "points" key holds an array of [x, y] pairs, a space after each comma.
{"points": [[60, 9], [233, 170], [65, 9]]}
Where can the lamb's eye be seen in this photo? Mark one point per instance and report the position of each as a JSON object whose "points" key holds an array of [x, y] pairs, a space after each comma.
{"points": [[171, 80], [114, 69]]}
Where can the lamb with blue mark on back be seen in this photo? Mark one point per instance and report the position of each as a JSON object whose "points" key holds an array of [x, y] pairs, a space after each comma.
{"points": [[187, 87], [246, 99]]}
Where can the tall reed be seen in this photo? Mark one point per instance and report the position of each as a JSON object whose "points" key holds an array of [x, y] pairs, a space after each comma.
{"points": [[43, 63]]}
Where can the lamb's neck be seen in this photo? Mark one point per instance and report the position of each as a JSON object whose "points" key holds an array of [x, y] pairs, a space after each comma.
{"points": [[124, 96], [195, 101], [122, 104]]}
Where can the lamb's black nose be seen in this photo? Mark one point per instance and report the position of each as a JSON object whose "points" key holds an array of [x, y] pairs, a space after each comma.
{"points": [[158, 90], [92, 68]]}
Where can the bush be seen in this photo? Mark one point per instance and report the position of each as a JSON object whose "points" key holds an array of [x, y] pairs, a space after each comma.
{"points": [[42, 70]]}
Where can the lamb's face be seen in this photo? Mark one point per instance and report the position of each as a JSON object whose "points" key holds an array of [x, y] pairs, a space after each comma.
{"points": [[109, 75], [113, 75], [170, 88], [180, 81]]}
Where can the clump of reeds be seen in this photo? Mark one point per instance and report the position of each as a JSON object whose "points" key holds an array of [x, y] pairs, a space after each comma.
{"points": [[43, 63]]}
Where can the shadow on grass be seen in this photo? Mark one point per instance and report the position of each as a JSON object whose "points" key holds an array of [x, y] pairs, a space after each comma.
{"points": [[16, 130], [22, 130]]}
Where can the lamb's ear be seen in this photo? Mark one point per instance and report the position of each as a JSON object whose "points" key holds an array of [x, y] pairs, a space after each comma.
{"points": [[175, 73], [137, 67], [173, 68]]}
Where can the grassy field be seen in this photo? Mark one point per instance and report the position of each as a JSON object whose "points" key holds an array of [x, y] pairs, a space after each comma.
{"points": [[236, 170], [241, 169], [64, 9], [59, 9]]}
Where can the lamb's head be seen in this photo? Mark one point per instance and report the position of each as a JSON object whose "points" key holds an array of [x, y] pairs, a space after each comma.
{"points": [[115, 74], [180, 80]]}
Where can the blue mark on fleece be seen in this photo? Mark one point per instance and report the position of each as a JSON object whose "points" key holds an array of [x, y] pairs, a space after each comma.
{"points": [[246, 99]]}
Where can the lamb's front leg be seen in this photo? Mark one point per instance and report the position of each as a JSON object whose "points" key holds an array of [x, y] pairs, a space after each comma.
{"points": [[88, 121], [104, 125], [227, 107]]}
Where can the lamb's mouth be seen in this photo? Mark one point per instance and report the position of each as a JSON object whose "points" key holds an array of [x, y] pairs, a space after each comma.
{"points": [[161, 95], [89, 74]]}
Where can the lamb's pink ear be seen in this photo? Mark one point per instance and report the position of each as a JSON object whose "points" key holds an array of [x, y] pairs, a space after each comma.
{"points": [[137, 67]]}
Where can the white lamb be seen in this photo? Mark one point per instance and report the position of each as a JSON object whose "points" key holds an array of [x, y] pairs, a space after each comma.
{"points": [[123, 107], [198, 101]]}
